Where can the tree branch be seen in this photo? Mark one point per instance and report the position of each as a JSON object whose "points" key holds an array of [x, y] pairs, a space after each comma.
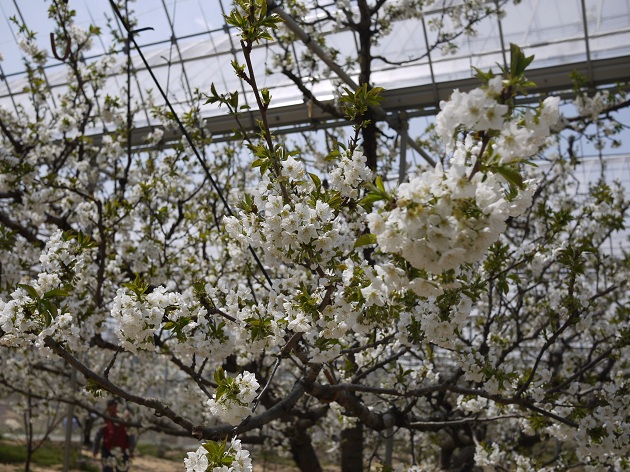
{"points": [[152, 403], [282, 408], [21, 230]]}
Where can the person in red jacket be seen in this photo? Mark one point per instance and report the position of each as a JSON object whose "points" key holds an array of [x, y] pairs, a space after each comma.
{"points": [[115, 441]]}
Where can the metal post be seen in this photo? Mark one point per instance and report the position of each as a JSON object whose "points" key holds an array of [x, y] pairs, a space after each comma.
{"points": [[505, 64], [589, 65], [389, 447], [69, 417], [402, 166]]}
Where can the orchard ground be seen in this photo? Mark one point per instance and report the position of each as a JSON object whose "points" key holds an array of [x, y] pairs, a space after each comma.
{"points": [[140, 464], [145, 463], [145, 459]]}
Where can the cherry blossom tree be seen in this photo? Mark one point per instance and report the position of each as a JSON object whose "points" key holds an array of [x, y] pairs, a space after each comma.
{"points": [[475, 311]]}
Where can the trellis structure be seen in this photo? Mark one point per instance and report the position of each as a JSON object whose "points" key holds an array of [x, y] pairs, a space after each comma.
{"points": [[588, 36]]}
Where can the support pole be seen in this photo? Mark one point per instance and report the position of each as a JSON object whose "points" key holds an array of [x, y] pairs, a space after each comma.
{"points": [[402, 165], [589, 65], [69, 416], [389, 447]]}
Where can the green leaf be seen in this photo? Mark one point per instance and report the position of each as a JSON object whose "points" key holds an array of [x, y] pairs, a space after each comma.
{"points": [[47, 310], [57, 292], [483, 76], [379, 184], [68, 235], [335, 200], [263, 11], [259, 162], [332, 155], [85, 241], [371, 198], [137, 286], [219, 376], [30, 290], [518, 61], [234, 100], [95, 389], [316, 180], [260, 327], [364, 240], [511, 175], [170, 325]]}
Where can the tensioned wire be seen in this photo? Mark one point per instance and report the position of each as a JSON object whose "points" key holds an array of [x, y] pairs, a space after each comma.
{"points": [[185, 132], [175, 42], [135, 76], [2, 75], [17, 8]]}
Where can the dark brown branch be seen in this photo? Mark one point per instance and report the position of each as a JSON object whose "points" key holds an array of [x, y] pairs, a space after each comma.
{"points": [[326, 107], [106, 384], [203, 383], [19, 148], [437, 425], [610, 109], [579, 372], [21, 230], [280, 409], [59, 222], [155, 426], [520, 401], [360, 375], [13, 194]]}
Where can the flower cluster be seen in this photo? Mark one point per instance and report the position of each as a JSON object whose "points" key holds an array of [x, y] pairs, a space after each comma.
{"points": [[218, 457], [591, 107], [524, 138], [444, 218], [474, 110], [15, 321], [139, 316], [350, 173], [34, 310], [32, 50], [231, 402], [303, 228]]}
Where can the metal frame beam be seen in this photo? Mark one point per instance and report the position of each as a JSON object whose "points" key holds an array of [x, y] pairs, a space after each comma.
{"points": [[416, 101]]}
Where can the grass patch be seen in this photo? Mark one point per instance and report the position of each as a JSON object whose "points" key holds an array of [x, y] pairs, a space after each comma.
{"points": [[147, 449], [12, 453], [161, 452], [48, 454]]}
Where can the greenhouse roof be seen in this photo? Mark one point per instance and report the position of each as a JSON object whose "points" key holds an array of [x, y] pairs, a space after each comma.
{"points": [[191, 47]]}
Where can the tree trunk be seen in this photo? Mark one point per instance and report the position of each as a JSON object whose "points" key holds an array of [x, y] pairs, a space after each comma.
{"points": [[369, 133], [302, 449], [28, 428], [369, 142], [352, 449], [457, 452]]}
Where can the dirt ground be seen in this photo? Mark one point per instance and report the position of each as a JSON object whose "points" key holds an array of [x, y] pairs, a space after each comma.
{"points": [[144, 464], [139, 464]]}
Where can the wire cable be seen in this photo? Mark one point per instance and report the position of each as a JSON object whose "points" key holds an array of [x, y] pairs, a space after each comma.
{"points": [[52, 96]]}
